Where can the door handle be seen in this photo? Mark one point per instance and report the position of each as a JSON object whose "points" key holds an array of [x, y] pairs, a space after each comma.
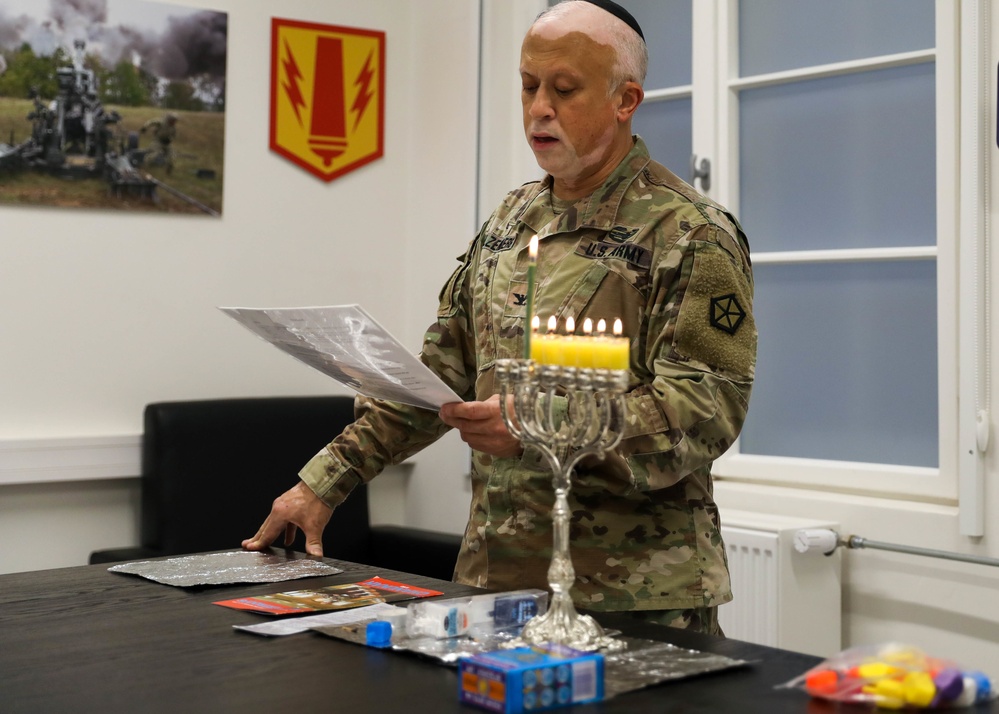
{"points": [[700, 170]]}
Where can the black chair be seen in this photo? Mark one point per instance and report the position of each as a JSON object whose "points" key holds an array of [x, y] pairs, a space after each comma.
{"points": [[211, 468]]}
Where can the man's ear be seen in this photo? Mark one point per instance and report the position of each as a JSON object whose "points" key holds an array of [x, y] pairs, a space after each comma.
{"points": [[631, 94]]}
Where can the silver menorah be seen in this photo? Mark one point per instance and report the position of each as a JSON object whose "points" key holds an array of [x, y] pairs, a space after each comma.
{"points": [[590, 426]]}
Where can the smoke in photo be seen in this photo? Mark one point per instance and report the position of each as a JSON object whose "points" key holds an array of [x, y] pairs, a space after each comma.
{"points": [[192, 46]]}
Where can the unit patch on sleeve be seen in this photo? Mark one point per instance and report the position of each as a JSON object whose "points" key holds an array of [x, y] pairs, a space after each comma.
{"points": [[726, 313]]}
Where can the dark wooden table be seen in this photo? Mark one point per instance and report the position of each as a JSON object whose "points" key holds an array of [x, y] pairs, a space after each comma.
{"points": [[87, 640]]}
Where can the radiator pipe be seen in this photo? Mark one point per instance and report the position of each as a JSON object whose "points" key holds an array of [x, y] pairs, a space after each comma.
{"points": [[826, 540], [854, 542]]}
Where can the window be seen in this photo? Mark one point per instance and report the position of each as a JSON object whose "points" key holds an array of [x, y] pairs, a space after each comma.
{"points": [[834, 121]]}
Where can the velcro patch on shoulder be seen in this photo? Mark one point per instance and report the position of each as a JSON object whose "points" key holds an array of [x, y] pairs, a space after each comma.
{"points": [[715, 324], [628, 252]]}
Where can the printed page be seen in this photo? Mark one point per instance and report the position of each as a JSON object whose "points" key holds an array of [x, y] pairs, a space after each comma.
{"points": [[344, 342], [334, 597]]}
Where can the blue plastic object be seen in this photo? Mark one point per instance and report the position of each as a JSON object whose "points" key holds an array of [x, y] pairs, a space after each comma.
{"points": [[378, 634]]}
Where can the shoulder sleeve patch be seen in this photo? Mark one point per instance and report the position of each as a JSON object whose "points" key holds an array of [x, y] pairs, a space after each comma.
{"points": [[715, 325]]}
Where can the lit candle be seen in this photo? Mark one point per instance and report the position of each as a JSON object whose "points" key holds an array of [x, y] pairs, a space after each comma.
{"points": [[536, 343], [549, 344], [532, 266], [585, 355], [567, 355], [620, 356], [600, 346]]}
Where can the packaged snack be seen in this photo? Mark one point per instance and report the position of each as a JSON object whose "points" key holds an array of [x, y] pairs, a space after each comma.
{"points": [[479, 613]]}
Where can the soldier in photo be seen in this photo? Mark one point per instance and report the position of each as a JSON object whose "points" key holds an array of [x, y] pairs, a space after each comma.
{"points": [[620, 236], [164, 133]]}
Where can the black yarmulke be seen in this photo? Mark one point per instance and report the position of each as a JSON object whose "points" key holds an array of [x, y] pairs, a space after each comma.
{"points": [[619, 12]]}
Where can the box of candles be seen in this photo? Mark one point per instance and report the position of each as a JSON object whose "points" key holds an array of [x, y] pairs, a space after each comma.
{"points": [[530, 679]]}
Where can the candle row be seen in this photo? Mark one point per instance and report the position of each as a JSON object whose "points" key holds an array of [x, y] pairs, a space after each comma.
{"points": [[598, 351]]}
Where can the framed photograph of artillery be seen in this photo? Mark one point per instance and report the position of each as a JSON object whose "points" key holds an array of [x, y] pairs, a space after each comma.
{"points": [[115, 104]]}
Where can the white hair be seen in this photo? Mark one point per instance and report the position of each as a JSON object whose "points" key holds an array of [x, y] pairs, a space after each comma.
{"points": [[631, 54]]}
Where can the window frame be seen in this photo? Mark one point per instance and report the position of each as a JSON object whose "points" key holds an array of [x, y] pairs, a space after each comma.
{"points": [[939, 484]]}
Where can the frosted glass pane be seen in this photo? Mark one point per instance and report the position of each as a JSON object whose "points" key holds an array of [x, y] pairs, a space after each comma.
{"points": [[667, 26], [665, 127], [776, 35], [847, 363], [840, 162]]}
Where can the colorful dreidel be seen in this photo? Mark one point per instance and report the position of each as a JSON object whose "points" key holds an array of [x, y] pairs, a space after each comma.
{"points": [[822, 682], [919, 689]]}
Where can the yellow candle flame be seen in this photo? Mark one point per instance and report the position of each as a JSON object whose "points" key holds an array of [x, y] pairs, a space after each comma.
{"points": [[535, 323], [587, 326], [618, 327], [570, 325], [601, 326], [552, 323]]}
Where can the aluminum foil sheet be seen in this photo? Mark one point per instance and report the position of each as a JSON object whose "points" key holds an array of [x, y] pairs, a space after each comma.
{"points": [[629, 665], [240, 566], [642, 663]]}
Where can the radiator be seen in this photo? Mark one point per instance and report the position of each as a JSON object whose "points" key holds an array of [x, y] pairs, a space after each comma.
{"points": [[782, 598]]}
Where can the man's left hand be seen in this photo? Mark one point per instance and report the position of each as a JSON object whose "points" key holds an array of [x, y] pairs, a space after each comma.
{"points": [[481, 426]]}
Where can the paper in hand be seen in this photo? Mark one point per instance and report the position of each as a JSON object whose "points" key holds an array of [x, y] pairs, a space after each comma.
{"points": [[344, 342]]}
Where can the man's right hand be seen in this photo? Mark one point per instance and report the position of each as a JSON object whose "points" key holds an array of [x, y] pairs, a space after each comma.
{"points": [[298, 507]]}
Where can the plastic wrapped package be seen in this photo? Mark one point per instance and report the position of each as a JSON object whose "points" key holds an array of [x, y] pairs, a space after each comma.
{"points": [[480, 614], [894, 676]]}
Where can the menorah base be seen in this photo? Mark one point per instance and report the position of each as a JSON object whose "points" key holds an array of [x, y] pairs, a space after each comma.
{"points": [[562, 625]]}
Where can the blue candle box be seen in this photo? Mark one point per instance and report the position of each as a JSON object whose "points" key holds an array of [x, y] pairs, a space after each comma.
{"points": [[531, 679]]}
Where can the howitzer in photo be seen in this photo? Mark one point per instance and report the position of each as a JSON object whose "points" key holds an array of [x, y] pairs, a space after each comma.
{"points": [[115, 104]]}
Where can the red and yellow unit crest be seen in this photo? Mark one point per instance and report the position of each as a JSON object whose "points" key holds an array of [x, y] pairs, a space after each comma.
{"points": [[327, 96]]}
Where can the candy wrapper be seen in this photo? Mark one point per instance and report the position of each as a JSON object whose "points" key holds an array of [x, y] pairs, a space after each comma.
{"points": [[894, 676]]}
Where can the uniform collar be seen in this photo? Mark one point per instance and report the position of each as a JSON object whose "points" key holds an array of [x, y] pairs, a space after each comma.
{"points": [[598, 210]]}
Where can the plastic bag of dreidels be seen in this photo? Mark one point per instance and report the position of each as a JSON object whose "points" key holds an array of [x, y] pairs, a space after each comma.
{"points": [[894, 676]]}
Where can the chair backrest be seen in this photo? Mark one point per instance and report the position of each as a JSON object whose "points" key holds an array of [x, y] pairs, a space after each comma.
{"points": [[211, 469]]}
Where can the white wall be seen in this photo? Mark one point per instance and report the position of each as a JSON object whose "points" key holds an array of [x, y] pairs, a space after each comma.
{"points": [[105, 311]]}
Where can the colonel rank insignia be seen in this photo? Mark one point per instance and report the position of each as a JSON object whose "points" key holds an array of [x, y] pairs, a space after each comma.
{"points": [[327, 96]]}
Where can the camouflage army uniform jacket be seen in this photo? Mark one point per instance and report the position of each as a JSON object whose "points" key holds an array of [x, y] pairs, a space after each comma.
{"points": [[675, 268]]}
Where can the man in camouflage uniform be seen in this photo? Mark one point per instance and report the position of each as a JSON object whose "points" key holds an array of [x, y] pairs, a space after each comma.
{"points": [[620, 236], [164, 132]]}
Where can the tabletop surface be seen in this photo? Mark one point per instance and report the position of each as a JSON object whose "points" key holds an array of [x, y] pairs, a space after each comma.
{"points": [[84, 639]]}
